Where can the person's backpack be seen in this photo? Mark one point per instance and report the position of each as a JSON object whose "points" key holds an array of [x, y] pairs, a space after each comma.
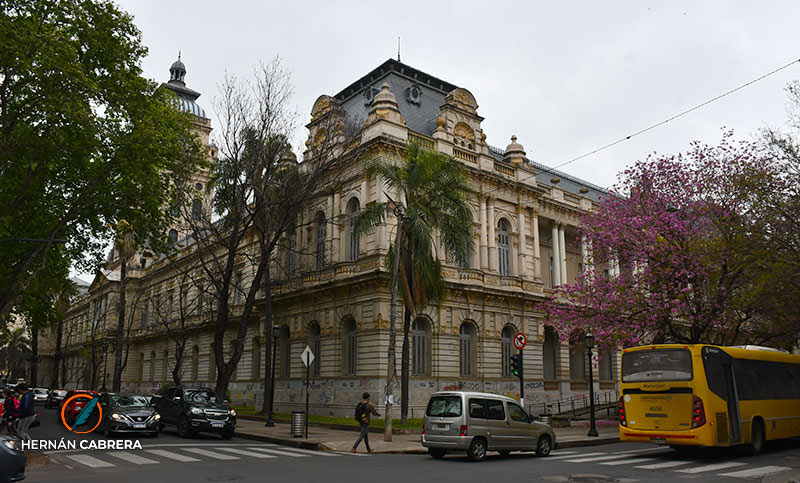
{"points": [[361, 412]]}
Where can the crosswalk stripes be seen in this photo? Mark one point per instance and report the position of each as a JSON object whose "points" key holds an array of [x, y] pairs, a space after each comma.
{"points": [[593, 459], [757, 472], [565, 456], [89, 461], [291, 454], [244, 452], [211, 454], [171, 455], [631, 461], [662, 465], [132, 458], [301, 450], [714, 467]]}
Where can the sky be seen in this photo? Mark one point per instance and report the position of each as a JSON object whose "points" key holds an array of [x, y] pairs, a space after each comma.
{"points": [[566, 77]]}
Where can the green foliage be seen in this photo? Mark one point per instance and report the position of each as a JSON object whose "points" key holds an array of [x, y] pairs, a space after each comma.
{"points": [[86, 140]]}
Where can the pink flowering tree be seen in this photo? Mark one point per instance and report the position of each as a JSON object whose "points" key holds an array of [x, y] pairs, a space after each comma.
{"points": [[673, 253]]}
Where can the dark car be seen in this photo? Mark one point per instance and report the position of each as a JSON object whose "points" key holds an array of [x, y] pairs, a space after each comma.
{"points": [[194, 410], [12, 459], [55, 398], [124, 413], [75, 406]]}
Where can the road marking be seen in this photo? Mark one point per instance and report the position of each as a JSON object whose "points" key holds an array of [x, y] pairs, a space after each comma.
{"points": [[595, 458], [755, 472], [89, 461], [718, 466], [572, 456], [562, 453], [210, 454], [300, 450], [629, 461], [666, 464], [170, 455], [657, 448], [246, 453], [132, 458], [282, 453]]}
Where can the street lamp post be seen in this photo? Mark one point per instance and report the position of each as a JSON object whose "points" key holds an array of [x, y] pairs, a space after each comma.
{"points": [[276, 332], [589, 339]]}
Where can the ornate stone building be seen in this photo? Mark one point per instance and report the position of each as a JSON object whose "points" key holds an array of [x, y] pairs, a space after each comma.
{"points": [[332, 293]]}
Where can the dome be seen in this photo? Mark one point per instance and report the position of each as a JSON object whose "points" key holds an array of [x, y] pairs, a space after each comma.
{"points": [[178, 65], [514, 148], [191, 107]]}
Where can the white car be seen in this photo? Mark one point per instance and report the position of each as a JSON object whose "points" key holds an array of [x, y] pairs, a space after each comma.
{"points": [[40, 394]]}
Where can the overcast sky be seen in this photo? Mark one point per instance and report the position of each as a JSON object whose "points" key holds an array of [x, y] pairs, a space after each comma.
{"points": [[565, 77]]}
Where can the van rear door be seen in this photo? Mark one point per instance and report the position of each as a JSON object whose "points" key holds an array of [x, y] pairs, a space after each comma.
{"points": [[444, 415]]}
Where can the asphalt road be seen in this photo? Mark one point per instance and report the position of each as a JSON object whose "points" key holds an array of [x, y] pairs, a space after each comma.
{"points": [[208, 458]]}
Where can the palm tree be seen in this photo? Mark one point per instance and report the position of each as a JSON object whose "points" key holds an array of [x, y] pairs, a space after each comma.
{"points": [[14, 344], [433, 200]]}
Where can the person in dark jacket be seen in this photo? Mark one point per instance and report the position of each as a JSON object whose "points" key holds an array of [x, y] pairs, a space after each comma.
{"points": [[365, 410], [26, 411], [9, 410]]}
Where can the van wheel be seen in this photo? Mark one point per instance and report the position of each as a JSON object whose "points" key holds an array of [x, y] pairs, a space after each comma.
{"points": [[185, 428], [477, 450], [757, 438], [544, 445], [436, 453]]}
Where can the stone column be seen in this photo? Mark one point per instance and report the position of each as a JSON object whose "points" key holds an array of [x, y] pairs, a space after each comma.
{"points": [[537, 262], [484, 260], [562, 246], [523, 243], [492, 242], [556, 256]]}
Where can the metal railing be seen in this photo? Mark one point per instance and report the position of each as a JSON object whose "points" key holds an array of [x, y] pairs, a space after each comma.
{"points": [[577, 405]]}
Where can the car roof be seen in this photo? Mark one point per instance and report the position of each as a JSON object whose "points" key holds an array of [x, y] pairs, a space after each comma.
{"points": [[474, 394]]}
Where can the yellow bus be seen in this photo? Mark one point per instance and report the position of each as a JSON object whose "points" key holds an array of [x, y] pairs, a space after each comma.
{"points": [[704, 395]]}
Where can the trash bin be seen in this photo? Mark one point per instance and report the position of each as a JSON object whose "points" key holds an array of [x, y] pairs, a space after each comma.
{"points": [[298, 424]]}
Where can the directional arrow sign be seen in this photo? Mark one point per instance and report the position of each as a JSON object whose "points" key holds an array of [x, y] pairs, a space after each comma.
{"points": [[307, 356]]}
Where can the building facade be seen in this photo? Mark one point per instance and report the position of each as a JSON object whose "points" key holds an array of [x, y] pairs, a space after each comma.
{"points": [[332, 294]]}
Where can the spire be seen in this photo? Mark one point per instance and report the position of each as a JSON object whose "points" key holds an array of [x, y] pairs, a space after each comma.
{"points": [[398, 48]]}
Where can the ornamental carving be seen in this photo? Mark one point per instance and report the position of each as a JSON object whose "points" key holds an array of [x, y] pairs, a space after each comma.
{"points": [[463, 130]]}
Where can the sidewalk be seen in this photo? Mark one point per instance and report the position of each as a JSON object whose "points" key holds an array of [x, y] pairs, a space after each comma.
{"points": [[342, 440]]}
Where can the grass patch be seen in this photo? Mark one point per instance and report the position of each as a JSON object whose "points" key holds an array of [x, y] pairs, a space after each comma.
{"points": [[415, 423]]}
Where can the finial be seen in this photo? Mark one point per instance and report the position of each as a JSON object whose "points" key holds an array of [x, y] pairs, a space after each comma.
{"points": [[514, 138], [179, 54], [398, 48]]}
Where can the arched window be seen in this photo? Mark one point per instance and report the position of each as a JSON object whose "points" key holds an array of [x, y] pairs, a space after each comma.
{"points": [[152, 366], [503, 248], [212, 364], [316, 348], [197, 209], [606, 362], [284, 350], [195, 363], [255, 360], [506, 339], [350, 346], [577, 359], [173, 235], [466, 348], [420, 346], [352, 212], [549, 351], [320, 241]]}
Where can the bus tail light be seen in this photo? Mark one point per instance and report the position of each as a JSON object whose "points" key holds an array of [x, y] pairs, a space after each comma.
{"points": [[463, 431], [622, 419], [698, 412]]}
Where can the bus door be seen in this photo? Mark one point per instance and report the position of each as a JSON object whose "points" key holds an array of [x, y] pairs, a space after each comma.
{"points": [[721, 381]]}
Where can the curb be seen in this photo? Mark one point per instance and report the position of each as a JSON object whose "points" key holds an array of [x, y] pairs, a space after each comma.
{"points": [[343, 427], [303, 444], [586, 442]]}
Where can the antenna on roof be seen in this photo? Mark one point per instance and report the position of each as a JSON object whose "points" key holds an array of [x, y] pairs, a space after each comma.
{"points": [[179, 54], [398, 48]]}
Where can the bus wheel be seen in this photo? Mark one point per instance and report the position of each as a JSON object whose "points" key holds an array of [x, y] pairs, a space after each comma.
{"points": [[757, 438]]}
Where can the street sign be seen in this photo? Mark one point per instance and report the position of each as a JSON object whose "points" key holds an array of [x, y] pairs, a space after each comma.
{"points": [[520, 340], [307, 356]]}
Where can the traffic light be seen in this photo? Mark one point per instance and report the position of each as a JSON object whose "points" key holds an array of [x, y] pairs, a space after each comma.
{"points": [[516, 365]]}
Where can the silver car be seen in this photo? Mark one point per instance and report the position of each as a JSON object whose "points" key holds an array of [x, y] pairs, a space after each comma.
{"points": [[478, 422]]}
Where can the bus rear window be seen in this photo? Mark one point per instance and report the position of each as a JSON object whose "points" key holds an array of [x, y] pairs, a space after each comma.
{"points": [[657, 365], [444, 406]]}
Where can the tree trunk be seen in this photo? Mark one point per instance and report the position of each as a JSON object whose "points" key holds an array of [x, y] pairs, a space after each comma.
{"points": [[391, 367], [118, 345], [266, 406], [176, 369], [57, 356], [34, 357], [404, 374]]}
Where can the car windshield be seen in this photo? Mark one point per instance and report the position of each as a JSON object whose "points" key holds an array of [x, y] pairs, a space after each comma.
{"points": [[657, 365], [128, 401], [201, 396], [444, 406], [40, 391]]}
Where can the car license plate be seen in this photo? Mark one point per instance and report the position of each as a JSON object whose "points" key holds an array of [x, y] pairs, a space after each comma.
{"points": [[658, 440], [138, 425], [217, 425], [443, 426]]}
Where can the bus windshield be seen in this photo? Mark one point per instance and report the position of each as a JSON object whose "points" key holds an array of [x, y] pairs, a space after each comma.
{"points": [[657, 365]]}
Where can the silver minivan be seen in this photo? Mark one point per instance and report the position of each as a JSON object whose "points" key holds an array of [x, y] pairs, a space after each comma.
{"points": [[478, 422]]}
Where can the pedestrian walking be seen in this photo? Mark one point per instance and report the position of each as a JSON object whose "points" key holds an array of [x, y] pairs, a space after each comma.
{"points": [[9, 410], [364, 411], [26, 411]]}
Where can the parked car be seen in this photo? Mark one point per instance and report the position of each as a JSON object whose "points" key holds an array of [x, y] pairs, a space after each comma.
{"points": [[74, 407], [128, 414], [194, 410], [55, 398], [478, 422], [12, 459], [40, 394]]}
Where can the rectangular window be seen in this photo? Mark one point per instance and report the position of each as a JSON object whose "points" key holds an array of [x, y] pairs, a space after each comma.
{"points": [[657, 365], [495, 410], [444, 406], [351, 352], [466, 356], [420, 353], [477, 408]]}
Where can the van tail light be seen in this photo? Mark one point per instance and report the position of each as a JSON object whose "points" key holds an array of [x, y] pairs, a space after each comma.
{"points": [[423, 430], [463, 431], [698, 412], [622, 420]]}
